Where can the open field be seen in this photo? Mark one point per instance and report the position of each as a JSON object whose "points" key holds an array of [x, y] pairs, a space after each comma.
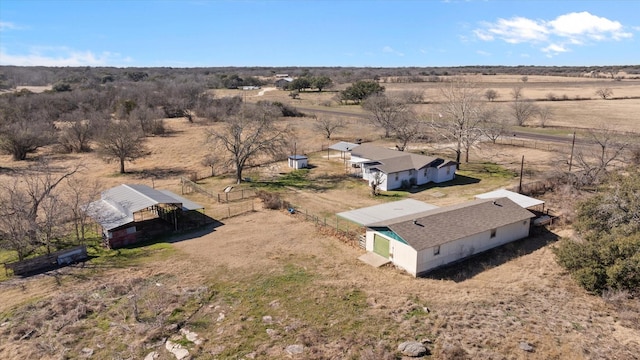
{"points": [[258, 283]]}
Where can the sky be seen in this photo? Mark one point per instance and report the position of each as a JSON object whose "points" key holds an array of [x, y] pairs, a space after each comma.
{"points": [[351, 33]]}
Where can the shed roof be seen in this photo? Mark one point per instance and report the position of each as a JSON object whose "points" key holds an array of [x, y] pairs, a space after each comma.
{"points": [[343, 146], [522, 200], [118, 204], [297, 157], [386, 211], [442, 225]]}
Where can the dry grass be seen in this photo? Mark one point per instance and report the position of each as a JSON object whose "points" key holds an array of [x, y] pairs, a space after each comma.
{"points": [[266, 280]]}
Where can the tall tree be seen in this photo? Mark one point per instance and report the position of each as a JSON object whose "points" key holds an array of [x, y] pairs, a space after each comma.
{"points": [[360, 90], [384, 111], [121, 141], [522, 108], [328, 125], [249, 134], [321, 82], [461, 112], [594, 164], [31, 211]]}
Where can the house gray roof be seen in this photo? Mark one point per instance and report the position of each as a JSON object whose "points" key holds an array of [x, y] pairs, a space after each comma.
{"points": [[386, 211], [118, 204], [442, 225], [392, 161]]}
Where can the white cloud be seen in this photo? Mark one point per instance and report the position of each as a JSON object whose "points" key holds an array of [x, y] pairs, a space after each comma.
{"points": [[61, 56], [390, 50], [483, 53], [581, 24], [7, 26], [554, 48], [555, 36]]}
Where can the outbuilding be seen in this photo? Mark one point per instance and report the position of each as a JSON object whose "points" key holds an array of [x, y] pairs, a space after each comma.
{"points": [[130, 213], [298, 162], [421, 242]]}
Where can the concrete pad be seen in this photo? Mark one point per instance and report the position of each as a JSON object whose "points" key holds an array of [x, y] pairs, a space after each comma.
{"points": [[374, 259]]}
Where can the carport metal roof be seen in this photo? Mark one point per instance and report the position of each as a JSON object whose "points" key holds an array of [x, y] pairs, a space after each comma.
{"points": [[522, 200], [343, 146], [117, 205], [386, 211]]}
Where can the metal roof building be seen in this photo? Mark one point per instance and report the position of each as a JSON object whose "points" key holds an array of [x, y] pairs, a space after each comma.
{"points": [[386, 212], [122, 207], [522, 200]]}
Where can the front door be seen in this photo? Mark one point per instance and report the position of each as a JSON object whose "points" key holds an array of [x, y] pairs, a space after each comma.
{"points": [[381, 246]]}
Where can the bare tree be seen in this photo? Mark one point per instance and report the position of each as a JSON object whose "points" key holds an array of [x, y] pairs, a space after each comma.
{"points": [[31, 212], [594, 165], [328, 125], [78, 129], [212, 161], [544, 115], [376, 179], [121, 141], [412, 96], [461, 115], [524, 79], [249, 134], [384, 111], [522, 108], [78, 193], [491, 94], [604, 93], [24, 127], [406, 128], [493, 124]]}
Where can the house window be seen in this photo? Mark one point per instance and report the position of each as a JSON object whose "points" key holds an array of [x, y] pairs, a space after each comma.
{"points": [[396, 176], [425, 172], [410, 172], [436, 250], [448, 170], [493, 233]]}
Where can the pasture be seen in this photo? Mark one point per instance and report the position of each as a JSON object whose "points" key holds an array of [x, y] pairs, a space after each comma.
{"points": [[262, 281]]}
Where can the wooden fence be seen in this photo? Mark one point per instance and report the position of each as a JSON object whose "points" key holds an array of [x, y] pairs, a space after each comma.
{"points": [[225, 212], [236, 195]]}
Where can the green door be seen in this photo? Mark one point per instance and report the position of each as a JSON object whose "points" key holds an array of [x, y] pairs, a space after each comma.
{"points": [[380, 246]]}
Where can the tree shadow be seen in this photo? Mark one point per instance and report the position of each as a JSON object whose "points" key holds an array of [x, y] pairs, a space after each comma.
{"points": [[469, 267]]}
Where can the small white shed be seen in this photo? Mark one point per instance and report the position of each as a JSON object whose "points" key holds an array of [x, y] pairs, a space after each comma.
{"points": [[298, 162]]}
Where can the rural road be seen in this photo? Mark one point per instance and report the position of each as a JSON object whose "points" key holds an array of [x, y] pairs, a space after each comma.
{"points": [[514, 134]]}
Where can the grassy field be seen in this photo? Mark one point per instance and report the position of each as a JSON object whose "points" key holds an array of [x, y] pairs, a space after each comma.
{"points": [[255, 284]]}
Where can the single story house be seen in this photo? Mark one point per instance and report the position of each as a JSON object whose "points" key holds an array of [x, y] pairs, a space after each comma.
{"points": [[298, 161], [394, 169], [282, 83], [131, 212], [421, 242]]}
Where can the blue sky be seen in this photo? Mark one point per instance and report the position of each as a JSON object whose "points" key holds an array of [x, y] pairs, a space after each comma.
{"points": [[368, 33]]}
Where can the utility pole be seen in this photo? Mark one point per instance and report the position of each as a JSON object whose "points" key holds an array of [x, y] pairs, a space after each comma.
{"points": [[573, 144], [521, 172]]}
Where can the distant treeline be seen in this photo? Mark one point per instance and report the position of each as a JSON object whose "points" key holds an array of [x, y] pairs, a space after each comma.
{"points": [[233, 77]]}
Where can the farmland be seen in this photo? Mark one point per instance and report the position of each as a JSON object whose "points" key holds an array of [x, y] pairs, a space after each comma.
{"points": [[256, 284]]}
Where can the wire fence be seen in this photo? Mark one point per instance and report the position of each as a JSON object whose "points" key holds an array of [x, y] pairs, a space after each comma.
{"points": [[347, 231], [225, 212]]}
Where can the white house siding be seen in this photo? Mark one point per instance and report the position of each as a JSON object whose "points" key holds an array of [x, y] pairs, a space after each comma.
{"points": [[442, 174], [402, 255], [465, 247]]}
